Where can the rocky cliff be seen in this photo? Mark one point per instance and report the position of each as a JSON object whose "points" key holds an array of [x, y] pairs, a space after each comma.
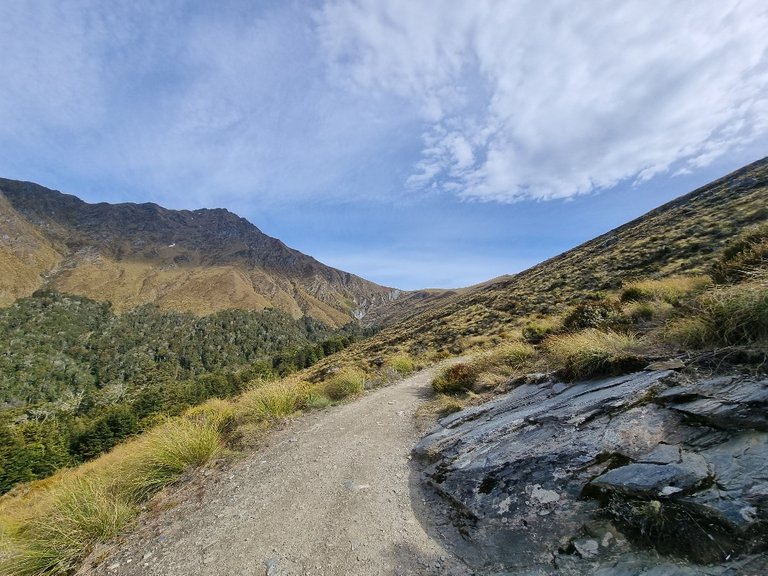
{"points": [[200, 261]]}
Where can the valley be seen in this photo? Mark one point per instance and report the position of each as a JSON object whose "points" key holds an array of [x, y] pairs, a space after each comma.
{"points": [[272, 413]]}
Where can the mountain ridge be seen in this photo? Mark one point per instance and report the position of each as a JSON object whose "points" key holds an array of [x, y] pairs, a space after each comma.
{"points": [[199, 261]]}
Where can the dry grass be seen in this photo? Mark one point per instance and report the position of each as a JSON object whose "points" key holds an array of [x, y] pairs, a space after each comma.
{"points": [[52, 526], [728, 316], [593, 352], [348, 382], [272, 401], [670, 290]]}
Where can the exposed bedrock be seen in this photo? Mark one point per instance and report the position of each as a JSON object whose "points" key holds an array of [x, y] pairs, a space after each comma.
{"points": [[647, 473]]}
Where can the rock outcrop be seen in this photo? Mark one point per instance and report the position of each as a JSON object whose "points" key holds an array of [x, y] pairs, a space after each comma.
{"points": [[648, 473]]}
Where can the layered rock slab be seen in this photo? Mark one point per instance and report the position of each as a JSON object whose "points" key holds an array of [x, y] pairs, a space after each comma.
{"points": [[594, 475]]}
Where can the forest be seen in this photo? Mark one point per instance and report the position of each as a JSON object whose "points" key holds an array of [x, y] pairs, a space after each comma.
{"points": [[76, 378]]}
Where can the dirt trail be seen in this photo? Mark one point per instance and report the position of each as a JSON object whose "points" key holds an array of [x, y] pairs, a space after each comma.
{"points": [[330, 495]]}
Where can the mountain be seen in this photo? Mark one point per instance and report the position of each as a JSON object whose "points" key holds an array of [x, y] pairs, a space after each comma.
{"points": [[199, 261], [680, 237]]}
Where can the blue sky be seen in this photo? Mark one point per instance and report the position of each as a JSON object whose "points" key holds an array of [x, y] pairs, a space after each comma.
{"points": [[430, 143]]}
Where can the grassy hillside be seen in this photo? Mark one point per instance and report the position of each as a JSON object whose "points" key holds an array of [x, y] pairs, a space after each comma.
{"points": [[683, 236]]}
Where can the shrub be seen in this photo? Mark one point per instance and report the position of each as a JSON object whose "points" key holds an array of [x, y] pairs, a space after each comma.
{"points": [[536, 332], [346, 383], [402, 364], [455, 378], [593, 352], [593, 314], [748, 252]]}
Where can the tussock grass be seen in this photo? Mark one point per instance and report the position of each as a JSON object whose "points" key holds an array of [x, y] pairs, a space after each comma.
{"points": [[348, 382], [441, 405], [82, 512], [746, 254], [317, 400], [49, 526], [58, 529], [670, 290], [727, 316], [593, 352], [163, 455], [512, 354], [273, 400], [402, 364], [220, 414], [455, 379]]}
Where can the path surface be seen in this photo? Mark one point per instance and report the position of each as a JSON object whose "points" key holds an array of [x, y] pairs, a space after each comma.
{"points": [[330, 495]]}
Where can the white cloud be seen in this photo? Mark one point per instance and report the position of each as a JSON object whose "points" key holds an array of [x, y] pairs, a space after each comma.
{"points": [[542, 100]]}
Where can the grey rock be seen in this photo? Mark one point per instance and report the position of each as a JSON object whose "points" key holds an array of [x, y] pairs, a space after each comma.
{"points": [[674, 468], [673, 364]]}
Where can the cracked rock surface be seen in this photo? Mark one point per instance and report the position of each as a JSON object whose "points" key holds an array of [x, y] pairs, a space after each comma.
{"points": [[646, 473]]}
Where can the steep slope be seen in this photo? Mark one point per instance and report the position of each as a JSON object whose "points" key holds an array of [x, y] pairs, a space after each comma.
{"points": [[25, 255], [199, 261], [678, 237]]}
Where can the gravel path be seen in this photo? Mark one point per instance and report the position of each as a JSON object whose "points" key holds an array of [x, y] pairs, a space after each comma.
{"points": [[333, 494]]}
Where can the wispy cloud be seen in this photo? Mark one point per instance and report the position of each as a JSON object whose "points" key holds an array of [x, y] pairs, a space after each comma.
{"points": [[548, 99]]}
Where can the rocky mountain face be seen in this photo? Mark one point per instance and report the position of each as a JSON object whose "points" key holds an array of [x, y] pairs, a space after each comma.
{"points": [[200, 261], [601, 477]]}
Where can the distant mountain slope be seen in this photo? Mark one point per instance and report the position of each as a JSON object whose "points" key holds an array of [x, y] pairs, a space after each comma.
{"points": [[199, 261], [678, 237]]}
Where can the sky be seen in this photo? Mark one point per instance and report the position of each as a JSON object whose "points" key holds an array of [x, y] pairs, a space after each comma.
{"points": [[416, 143]]}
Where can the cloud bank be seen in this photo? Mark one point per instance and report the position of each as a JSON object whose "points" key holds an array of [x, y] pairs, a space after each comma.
{"points": [[339, 101], [541, 100]]}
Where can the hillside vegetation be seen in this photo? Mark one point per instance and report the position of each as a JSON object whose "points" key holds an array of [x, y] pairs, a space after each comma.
{"points": [[681, 237], [76, 379], [687, 283]]}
